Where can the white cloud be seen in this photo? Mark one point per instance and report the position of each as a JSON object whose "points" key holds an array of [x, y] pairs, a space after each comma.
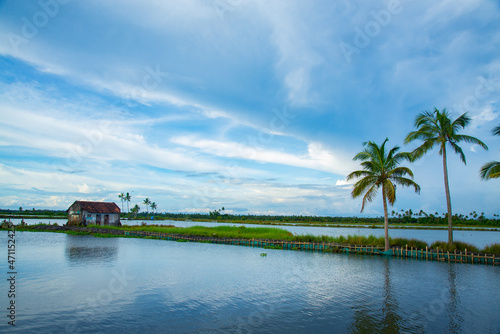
{"points": [[486, 116], [344, 182], [84, 189], [297, 57], [317, 156]]}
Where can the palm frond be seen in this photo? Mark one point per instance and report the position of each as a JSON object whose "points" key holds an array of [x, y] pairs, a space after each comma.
{"points": [[461, 122], [424, 118], [404, 156], [364, 155], [390, 191], [371, 165], [470, 140], [496, 131], [358, 174], [422, 134], [424, 148], [491, 170], [459, 151], [405, 182], [400, 171], [369, 196], [362, 184]]}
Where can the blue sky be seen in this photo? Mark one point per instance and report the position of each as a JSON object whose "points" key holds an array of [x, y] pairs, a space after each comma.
{"points": [[255, 106]]}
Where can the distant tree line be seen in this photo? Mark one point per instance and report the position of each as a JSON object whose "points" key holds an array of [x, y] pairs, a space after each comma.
{"points": [[405, 217]]}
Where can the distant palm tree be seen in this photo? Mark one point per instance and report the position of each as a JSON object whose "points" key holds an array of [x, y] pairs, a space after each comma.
{"points": [[491, 170], [381, 170], [153, 207], [135, 210], [437, 129], [128, 198], [147, 202], [122, 198]]}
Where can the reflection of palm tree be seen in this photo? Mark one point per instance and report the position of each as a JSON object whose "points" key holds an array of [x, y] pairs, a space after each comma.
{"points": [[455, 325], [437, 129], [390, 308], [381, 170], [491, 170], [367, 318]]}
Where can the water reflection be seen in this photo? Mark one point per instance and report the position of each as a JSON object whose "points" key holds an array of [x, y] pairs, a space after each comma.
{"points": [[90, 250], [372, 318], [200, 288], [456, 320]]}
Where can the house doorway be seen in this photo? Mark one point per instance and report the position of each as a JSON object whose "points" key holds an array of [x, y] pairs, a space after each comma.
{"points": [[106, 219], [98, 219]]}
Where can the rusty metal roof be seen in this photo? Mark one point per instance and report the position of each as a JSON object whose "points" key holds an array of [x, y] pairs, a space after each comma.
{"points": [[98, 207]]}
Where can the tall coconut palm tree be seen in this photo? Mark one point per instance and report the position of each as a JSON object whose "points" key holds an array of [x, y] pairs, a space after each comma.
{"points": [[128, 198], [381, 170], [153, 207], [122, 198], [147, 202], [437, 129], [491, 170]]}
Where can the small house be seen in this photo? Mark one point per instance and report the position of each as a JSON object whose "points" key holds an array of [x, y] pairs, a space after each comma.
{"points": [[94, 213]]}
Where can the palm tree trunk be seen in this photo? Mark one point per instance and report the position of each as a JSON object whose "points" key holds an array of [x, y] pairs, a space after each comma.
{"points": [[386, 221], [448, 199]]}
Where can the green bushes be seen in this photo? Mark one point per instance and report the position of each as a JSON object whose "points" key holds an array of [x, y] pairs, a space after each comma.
{"points": [[492, 249], [370, 240], [455, 246], [402, 242]]}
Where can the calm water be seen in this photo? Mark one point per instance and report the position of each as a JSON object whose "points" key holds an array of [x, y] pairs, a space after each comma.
{"points": [[82, 284], [479, 238]]}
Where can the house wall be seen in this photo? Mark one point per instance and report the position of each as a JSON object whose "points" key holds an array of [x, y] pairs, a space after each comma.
{"points": [[114, 219], [77, 216], [74, 215], [91, 218]]}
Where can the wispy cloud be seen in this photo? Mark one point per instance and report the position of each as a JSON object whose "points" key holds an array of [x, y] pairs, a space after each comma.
{"points": [[316, 157]]}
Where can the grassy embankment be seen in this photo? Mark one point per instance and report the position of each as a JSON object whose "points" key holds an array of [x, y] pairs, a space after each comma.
{"points": [[268, 233]]}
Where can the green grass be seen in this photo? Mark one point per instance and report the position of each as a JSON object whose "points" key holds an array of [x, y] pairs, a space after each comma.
{"points": [[402, 242], [492, 249], [457, 245], [267, 233], [216, 232]]}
